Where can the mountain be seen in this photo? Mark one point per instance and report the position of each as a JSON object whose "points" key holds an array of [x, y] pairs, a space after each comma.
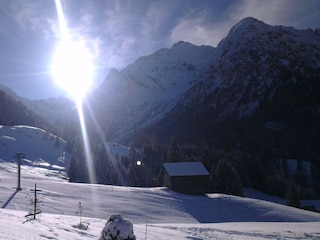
{"points": [[265, 75], [56, 111], [255, 97], [146, 90], [258, 71], [259, 74], [50, 114], [254, 100], [13, 111]]}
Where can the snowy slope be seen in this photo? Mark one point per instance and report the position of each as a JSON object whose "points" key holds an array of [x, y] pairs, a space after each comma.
{"points": [[41, 148], [146, 90], [172, 71], [62, 227], [168, 215]]}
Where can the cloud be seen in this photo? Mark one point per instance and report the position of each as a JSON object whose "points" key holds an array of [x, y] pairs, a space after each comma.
{"points": [[199, 32], [296, 13], [202, 29], [120, 31], [32, 15], [136, 28]]}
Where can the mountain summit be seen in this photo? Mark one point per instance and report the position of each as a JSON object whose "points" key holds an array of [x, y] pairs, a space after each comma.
{"points": [[255, 66]]}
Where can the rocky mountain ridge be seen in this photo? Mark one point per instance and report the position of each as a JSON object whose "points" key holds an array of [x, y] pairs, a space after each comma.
{"points": [[235, 79]]}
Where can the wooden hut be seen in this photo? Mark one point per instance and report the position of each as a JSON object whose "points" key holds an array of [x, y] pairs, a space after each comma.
{"points": [[186, 177]]}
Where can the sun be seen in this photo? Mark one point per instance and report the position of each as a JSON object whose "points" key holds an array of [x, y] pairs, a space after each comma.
{"points": [[72, 68]]}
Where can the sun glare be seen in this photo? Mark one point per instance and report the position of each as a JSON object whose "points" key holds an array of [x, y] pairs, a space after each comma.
{"points": [[72, 68], [72, 65]]}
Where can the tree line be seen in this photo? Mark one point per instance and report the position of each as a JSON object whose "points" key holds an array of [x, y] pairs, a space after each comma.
{"points": [[230, 171]]}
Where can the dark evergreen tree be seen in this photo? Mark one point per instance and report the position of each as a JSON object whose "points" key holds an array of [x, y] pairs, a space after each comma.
{"points": [[292, 196], [213, 181], [73, 168], [57, 142], [228, 179], [174, 154]]}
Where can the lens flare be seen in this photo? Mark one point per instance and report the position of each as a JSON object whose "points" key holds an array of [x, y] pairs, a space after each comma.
{"points": [[72, 69]]}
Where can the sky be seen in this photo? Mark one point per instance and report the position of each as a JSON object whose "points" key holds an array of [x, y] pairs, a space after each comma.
{"points": [[117, 32]]}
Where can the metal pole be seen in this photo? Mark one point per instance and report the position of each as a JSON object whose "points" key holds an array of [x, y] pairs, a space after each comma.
{"points": [[19, 172], [35, 201], [19, 156]]}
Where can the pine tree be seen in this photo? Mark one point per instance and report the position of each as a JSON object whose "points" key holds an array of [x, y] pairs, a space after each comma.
{"points": [[228, 179], [73, 168], [174, 151], [57, 142], [292, 196]]}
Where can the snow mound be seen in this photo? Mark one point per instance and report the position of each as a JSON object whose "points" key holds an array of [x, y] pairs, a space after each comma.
{"points": [[117, 228]]}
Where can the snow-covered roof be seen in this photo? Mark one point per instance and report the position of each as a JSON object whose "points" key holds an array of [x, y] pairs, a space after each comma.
{"points": [[185, 169]]}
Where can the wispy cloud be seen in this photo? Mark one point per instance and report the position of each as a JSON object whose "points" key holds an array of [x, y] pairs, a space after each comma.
{"points": [[120, 31], [198, 31], [32, 15], [300, 14]]}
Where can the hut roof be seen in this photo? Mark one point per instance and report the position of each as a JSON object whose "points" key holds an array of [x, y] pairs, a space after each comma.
{"points": [[185, 169]]}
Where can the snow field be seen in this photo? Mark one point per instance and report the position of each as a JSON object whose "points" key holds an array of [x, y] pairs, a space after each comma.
{"points": [[156, 213], [52, 226]]}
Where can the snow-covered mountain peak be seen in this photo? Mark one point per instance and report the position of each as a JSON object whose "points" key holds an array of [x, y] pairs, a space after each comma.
{"points": [[171, 71], [179, 53], [182, 44], [244, 24], [255, 57], [243, 31], [150, 87]]}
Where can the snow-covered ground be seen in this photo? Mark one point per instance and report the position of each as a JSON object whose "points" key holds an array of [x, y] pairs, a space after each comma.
{"points": [[156, 213]]}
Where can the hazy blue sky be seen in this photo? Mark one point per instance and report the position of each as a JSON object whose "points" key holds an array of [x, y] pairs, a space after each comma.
{"points": [[120, 31]]}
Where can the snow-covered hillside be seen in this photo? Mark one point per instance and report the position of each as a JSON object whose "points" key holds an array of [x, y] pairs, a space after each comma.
{"points": [[40, 148], [156, 213]]}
